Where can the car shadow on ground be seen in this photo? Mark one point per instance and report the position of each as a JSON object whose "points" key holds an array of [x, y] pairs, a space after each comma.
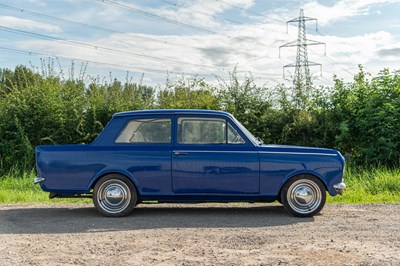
{"points": [[85, 219]]}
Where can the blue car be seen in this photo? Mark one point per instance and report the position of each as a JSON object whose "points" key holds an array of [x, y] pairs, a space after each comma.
{"points": [[187, 156]]}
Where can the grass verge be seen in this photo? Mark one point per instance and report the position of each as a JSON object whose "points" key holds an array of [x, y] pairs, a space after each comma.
{"points": [[377, 185], [17, 188]]}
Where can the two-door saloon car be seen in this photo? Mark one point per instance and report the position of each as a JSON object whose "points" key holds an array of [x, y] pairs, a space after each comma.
{"points": [[187, 156]]}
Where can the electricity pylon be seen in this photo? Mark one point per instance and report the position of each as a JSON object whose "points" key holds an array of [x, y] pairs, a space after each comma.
{"points": [[302, 81]]}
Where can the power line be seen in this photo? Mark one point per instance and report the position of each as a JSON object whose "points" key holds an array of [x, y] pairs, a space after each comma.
{"points": [[216, 17], [242, 8], [80, 24], [334, 62], [322, 78], [149, 14], [107, 30], [107, 49], [119, 66], [341, 52], [31, 53], [16, 9], [125, 67], [98, 28], [81, 44], [323, 35], [152, 15], [201, 12]]}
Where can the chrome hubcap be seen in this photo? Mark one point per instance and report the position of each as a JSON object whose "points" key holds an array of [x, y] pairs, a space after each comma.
{"points": [[304, 196], [114, 196]]}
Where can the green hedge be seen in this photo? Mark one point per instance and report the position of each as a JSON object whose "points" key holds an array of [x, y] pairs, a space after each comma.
{"points": [[360, 118]]}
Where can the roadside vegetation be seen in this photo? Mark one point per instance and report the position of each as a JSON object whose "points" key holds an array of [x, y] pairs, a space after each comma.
{"points": [[375, 185], [378, 185], [360, 118], [17, 187]]}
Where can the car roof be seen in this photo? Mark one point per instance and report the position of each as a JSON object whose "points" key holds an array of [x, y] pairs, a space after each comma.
{"points": [[171, 111]]}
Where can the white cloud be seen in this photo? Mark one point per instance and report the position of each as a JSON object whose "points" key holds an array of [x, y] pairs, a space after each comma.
{"points": [[389, 52], [26, 24], [201, 13], [222, 54], [252, 47], [357, 49], [37, 2], [341, 10]]}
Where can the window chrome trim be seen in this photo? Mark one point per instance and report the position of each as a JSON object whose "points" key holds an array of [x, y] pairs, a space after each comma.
{"points": [[299, 153], [203, 151], [261, 152]]}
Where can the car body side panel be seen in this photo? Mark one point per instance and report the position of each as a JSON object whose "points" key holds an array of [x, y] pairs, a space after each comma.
{"points": [[216, 170], [276, 168], [74, 168]]}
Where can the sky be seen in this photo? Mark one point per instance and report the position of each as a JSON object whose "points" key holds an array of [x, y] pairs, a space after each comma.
{"points": [[152, 41]]}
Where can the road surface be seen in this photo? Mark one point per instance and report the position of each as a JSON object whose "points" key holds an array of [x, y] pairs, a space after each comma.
{"points": [[199, 234]]}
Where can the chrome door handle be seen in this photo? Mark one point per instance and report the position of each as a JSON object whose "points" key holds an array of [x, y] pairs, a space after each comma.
{"points": [[178, 153]]}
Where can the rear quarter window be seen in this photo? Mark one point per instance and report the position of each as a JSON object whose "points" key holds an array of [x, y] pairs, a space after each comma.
{"points": [[155, 130]]}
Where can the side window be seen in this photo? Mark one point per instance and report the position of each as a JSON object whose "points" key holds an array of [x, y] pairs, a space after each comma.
{"points": [[201, 131], [207, 131], [146, 131], [233, 136]]}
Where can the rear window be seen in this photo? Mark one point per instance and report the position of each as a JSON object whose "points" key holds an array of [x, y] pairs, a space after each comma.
{"points": [[156, 130]]}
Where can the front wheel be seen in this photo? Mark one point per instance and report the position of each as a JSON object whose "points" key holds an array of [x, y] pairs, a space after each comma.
{"points": [[303, 196], [114, 195]]}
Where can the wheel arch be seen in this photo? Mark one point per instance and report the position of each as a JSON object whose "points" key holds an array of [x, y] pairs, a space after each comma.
{"points": [[104, 173], [312, 174]]}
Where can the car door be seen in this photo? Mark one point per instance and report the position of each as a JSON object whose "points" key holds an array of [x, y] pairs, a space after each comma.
{"points": [[211, 155], [144, 150]]}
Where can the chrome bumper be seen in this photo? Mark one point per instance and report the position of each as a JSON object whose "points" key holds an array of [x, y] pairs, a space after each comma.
{"points": [[339, 187], [38, 180]]}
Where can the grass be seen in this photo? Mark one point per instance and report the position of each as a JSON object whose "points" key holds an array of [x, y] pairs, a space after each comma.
{"points": [[377, 185], [18, 188]]}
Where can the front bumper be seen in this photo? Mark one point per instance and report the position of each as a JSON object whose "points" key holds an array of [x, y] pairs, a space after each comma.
{"points": [[339, 187], [38, 180]]}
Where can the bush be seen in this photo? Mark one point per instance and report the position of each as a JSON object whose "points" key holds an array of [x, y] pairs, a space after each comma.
{"points": [[360, 118]]}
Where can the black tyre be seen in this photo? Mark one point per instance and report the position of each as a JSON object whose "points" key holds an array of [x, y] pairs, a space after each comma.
{"points": [[303, 196], [279, 199], [114, 195]]}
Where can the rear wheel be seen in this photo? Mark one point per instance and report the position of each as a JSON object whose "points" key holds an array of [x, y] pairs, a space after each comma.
{"points": [[114, 195], [303, 196]]}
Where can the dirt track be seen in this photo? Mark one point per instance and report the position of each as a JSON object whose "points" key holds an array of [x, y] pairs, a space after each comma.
{"points": [[203, 234]]}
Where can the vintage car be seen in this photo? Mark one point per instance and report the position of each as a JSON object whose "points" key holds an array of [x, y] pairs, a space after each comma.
{"points": [[187, 156]]}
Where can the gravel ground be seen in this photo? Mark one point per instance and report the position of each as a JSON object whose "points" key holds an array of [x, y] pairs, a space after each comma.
{"points": [[199, 234]]}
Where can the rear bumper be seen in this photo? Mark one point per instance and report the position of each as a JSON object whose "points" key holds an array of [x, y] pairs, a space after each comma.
{"points": [[38, 180], [339, 187]]}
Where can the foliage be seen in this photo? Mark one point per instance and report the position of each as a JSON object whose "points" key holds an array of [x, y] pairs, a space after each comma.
{"points": [[187, 93], [247, 102], [365, 118], [359, 118], [45, 109]]}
